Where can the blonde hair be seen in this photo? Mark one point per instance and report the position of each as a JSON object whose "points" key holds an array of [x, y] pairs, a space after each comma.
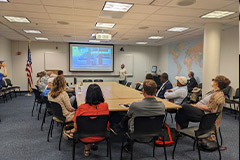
{"points": [[58, 86]]}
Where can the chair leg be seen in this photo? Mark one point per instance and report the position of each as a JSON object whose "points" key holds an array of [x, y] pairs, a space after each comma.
{"points": [[218, 147], [33, 106], [194, 144], [131, 149], [73, 150], [220, 134], [153, 148], [174, 148], [59, 146], [107, 145], [39, 111], [122, 146], [43, 121], [110, 151], [164, 147], [52, 128], [49, 130], [199, 155]]}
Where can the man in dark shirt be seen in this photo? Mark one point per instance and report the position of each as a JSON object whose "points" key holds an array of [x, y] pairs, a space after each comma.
{"points": [[191, 82], [3, 64], [166, 84]]}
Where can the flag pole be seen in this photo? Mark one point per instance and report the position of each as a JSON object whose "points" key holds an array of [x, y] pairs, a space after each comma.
{"points": [[28, 94]]}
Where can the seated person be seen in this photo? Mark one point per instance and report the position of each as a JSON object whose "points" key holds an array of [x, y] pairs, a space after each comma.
{"points": [[48, 88], [60, 73], [59, 95], [177, 94], [191, 82], [4, 74], [149, 106], [94, 105], [148, 76], [212, 102], [42, 81], [166, 84]]}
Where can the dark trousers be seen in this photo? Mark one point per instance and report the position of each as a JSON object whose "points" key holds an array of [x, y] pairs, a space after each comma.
{"points": [[123, 82], [188, 114]]}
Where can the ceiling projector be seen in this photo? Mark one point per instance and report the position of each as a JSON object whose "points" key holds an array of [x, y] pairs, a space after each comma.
{"points": [[103, 36]]}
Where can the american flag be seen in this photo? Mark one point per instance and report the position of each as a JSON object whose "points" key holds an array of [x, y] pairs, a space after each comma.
{"points": [[29, 69]]}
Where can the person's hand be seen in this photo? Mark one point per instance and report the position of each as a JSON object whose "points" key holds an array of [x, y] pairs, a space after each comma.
{"points": [[4, 64], [194, 105], [168, 90]]}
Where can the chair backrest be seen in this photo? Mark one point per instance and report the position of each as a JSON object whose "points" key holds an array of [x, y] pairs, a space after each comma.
{"points": [[227, 90], [87, 80], [236, 94], [37, 94], [147, 126], [200, 85], [185, 100], [92, 125], [137, 86], [57, 111], [4, 84], [37, 87], [8, 81], [207, 123], [128, 84], [98, 80]]}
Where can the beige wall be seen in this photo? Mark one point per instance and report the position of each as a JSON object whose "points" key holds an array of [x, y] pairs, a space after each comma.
{"points": [[5, 54]]}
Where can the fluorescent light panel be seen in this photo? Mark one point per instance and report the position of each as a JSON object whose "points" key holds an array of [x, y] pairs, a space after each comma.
{"points": [[117, 7], [141, 42], [155, 37], [105, 25], [32, 31], [17, 19], [217, 14], [178, 29], [94, 41], [41, 38], [4, 1]]}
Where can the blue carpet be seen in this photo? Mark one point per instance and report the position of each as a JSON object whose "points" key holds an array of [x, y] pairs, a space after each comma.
{"points": [[21, 139]]}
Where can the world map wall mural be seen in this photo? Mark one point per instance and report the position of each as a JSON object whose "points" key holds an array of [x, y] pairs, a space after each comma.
{"points": [[185, 56]]}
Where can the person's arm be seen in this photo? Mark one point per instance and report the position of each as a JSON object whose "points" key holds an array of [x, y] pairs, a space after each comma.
{"points": [[126, 74], [202, 107], [130, 110], [172, 95], [5, 69], [67, 103]]}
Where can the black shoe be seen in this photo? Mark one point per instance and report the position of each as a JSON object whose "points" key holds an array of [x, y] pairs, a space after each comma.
{"points": [[115, 129], [128, 148], [94, 147]]}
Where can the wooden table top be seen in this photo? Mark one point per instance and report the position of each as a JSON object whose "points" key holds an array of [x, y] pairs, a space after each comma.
{"points": [[115, 94]]}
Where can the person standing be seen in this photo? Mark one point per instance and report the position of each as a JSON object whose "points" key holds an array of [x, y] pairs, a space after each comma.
{"points": [[191, 82], [123, 74], [4, 74]]}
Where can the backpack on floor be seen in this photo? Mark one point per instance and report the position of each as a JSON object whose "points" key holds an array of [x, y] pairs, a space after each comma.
{"points": [[169, 136]]}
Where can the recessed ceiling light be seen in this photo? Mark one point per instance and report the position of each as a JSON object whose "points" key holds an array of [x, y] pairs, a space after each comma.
{"points": [[117, 7], [17, 19], [141, 42], [62, 22], [105, 25], [217, 14], [155, 37], [94, 41], [4, 1], [32, 31], [41, 38], [178, 29]]}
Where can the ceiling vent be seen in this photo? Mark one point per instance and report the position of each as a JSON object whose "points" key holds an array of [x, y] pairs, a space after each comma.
{"points": [[186, 2]]}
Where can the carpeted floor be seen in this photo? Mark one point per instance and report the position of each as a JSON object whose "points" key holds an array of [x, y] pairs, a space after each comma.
{"points": [[21, 139]]}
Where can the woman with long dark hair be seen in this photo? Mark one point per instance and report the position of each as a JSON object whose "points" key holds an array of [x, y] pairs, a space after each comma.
{"points": [[94, 105]]}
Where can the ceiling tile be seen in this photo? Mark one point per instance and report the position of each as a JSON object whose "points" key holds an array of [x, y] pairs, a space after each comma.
{"points": [[62, 3], [60, 10], [86, 12], [145, 9], [134, 1], [168, 18], [89, 4], [26, 1]]}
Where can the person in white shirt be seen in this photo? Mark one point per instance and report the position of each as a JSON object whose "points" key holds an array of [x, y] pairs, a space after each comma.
{"points": [[122, 74], [177, 94]]}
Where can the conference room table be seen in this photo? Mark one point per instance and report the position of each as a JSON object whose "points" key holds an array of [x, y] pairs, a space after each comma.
{"points": [[116, 94]]}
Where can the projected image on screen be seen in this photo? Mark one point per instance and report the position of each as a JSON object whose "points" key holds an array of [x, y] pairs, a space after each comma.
{"points": [[91, 57]]}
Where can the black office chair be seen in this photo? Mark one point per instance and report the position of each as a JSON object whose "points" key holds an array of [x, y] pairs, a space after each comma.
{"points": [[227, 92], [9, 84], [98, 80], [207, 124], [7, 91], [47, 110], [146, 127], [234, 101], [128, 84], [172, 111], [59, 118], [88, 127], [87, 80], [3, 96], [38, 100], [137, 87]]}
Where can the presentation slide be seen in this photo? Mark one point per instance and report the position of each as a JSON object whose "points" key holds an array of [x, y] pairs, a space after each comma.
{"points": [[88, 57]]}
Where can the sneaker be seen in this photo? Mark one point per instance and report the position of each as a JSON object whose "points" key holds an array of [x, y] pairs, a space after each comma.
{"points": [[127, 148], [65, 136], [115, 129]]}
